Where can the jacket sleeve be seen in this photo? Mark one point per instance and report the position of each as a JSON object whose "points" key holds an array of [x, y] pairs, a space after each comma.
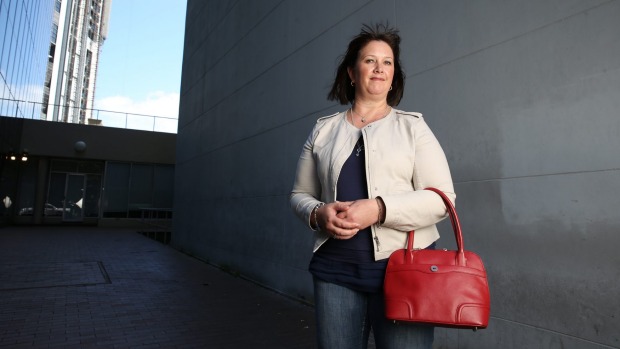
{"points": [[306, 188], [421, 208]]}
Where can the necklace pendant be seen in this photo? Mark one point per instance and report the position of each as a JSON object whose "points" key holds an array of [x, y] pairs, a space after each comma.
{"points": [[363, 119], [360, 147]]}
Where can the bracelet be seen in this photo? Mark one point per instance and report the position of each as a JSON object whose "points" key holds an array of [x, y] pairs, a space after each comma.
{"points": [[316, 214], [380, 215]]}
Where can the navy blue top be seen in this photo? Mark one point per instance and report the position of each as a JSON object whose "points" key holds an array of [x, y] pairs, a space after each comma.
{"points": [[351, 262]]}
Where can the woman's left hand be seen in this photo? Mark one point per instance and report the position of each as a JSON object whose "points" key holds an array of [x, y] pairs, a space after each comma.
{"points": [[364, 212]]}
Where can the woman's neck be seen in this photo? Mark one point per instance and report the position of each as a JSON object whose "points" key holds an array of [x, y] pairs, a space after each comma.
{"points": [[368, 111]]}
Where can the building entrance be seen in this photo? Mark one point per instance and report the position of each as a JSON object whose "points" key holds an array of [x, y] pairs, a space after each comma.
{"points": [[66, 196], [74, 196]]}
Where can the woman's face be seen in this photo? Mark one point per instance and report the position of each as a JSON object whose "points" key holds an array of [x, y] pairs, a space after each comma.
{"points": [[373, 71]]}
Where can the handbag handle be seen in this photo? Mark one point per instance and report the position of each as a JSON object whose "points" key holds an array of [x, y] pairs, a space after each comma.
{"points": [[456, 227]]}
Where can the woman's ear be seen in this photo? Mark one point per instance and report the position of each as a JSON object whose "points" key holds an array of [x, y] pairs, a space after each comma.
{"points": [[351, 73]]}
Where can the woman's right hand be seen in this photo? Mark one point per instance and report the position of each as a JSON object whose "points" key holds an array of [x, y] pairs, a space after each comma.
{"points": [[330, 222]]}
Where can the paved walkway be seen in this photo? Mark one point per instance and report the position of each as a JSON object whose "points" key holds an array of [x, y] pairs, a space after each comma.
{"points": [[86, 287]]}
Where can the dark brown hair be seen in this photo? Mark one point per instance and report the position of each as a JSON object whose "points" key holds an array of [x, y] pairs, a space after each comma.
{"points": [[342, 91]]}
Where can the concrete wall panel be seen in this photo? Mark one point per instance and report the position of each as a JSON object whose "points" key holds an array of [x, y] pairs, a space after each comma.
{"points": [[522, 107], [536, 240], [439, 32]]}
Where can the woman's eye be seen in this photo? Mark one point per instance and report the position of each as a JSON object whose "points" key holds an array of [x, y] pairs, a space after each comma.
{"points": [[370, 60], [388, 63]]}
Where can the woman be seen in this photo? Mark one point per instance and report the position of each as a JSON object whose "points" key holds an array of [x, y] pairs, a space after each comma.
{"points": [[359, 187]]}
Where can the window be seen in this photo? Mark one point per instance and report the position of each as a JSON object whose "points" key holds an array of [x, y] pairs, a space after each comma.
{"points": [[129, 188], [116, 190], [54, 32], [140, 189]]}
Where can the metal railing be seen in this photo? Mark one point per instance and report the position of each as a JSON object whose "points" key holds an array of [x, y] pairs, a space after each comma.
{"points": [[108, 118], [157, 224]]}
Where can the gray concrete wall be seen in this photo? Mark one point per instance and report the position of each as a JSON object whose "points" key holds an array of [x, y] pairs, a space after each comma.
{"points": [[523, 95]]}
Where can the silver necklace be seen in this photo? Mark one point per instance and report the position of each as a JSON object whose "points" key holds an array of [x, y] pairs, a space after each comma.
{"points": [[363, 118]]}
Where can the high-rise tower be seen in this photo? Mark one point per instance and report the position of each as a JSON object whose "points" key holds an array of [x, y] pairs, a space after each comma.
{"points": [[79, 29]]}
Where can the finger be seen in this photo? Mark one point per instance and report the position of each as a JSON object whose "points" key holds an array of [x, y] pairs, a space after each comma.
{"points": [[342, 206], [344, 236], [344, 233], [345, 225]]}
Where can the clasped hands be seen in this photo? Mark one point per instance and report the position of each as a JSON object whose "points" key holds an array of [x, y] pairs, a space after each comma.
{"points": [[344, 219]]}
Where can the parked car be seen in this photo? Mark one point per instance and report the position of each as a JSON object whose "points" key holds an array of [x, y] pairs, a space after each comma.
{"points": [[50, 210]]}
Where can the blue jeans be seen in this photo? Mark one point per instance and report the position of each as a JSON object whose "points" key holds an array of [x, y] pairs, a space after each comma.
{"points": [[345, 318]]}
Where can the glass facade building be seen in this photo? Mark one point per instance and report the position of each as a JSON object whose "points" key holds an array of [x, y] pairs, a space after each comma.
{"points": [[25, 32], [49, 52]]}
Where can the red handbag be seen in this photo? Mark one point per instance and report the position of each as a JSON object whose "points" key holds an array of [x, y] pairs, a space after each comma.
{"points": [[438, 287]]}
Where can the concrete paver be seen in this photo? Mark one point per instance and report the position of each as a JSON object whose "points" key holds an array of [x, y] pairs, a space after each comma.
{"points": [[88, 287]]}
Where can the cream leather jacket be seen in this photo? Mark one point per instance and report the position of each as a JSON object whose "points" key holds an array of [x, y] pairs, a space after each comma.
{"points": [[402, 158]]}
